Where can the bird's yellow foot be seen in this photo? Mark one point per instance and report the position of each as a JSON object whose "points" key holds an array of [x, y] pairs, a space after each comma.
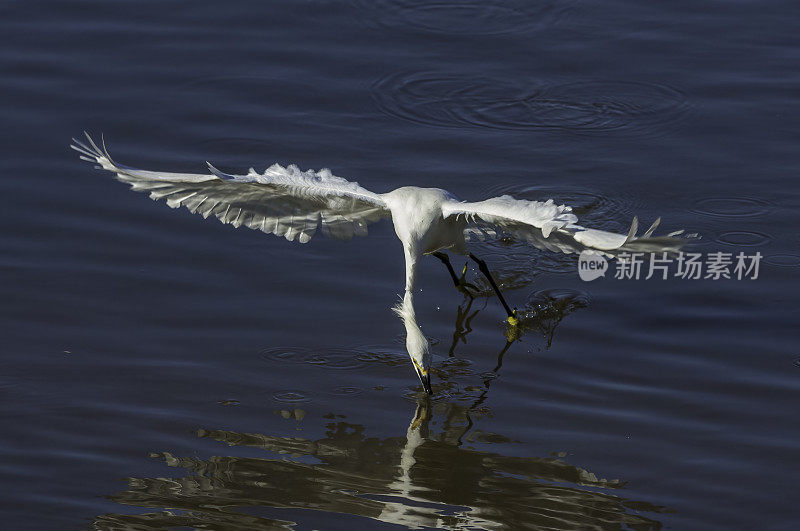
{"points": [[514, 329], [513, 320]]}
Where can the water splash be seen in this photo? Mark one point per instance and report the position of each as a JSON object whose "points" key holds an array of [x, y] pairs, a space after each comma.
{"points": [[545, 309]]}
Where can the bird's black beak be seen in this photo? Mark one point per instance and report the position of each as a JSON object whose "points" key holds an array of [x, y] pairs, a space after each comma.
{"points": [[426, 381]]}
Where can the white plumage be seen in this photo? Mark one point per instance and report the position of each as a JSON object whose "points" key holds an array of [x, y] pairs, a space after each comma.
{"points": [[295, 204]]}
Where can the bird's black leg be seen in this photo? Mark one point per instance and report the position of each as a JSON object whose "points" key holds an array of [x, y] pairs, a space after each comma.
{"points": [[446, 261], [512, 314], [459, 282]]}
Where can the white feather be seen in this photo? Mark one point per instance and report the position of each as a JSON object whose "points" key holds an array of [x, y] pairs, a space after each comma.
{"points": [[287, 202], [554, 227]]}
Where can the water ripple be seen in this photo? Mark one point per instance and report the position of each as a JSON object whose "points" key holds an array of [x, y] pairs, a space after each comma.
{"points": [[730, 207], [328, 358], [783, 260], [336, 359], [283, 354], [391, 358], [593, 207], [466, 17], [742, 238], [291, 396], [517, 104], [347, 391]]}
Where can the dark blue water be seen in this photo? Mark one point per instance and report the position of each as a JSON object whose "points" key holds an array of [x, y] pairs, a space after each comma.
{"points": [[162, 371]]}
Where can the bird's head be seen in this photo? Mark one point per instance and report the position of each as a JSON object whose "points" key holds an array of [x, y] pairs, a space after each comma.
{"points": [[416, 342]]}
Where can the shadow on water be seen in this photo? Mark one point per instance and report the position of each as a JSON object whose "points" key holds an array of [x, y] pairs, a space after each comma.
{"points": [[421, 479], [426, 478]]}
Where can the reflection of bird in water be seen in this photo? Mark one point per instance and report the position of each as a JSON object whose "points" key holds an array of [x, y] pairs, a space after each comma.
{"points": [[418, 480], [463, 325], [295, 204]]}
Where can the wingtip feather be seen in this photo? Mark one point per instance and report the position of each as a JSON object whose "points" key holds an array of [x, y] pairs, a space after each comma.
{"points": [[222, 175], [633, 229], [649, 232]]}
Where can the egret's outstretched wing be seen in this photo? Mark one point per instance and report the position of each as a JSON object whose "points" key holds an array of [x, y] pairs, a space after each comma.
{"points": [[282, 201], [554, 227]]}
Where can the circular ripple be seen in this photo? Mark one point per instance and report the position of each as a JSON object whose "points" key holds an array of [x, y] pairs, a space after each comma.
{"points": [[576, 297], [797, 362], [466, 17], [783, 260], [516, 104], [291, 396], [743, 238], [330, 358], [730, 207], [452, 368], [284, 355], [347, 391], [336, 359], [391, 358]]}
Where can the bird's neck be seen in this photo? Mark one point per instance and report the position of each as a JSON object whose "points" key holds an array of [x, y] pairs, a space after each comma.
{"points": [[406, 312], [412, 256], [416, 342]]}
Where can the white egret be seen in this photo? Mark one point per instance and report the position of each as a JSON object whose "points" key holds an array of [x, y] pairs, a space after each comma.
{"points": [[296, 204]]}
